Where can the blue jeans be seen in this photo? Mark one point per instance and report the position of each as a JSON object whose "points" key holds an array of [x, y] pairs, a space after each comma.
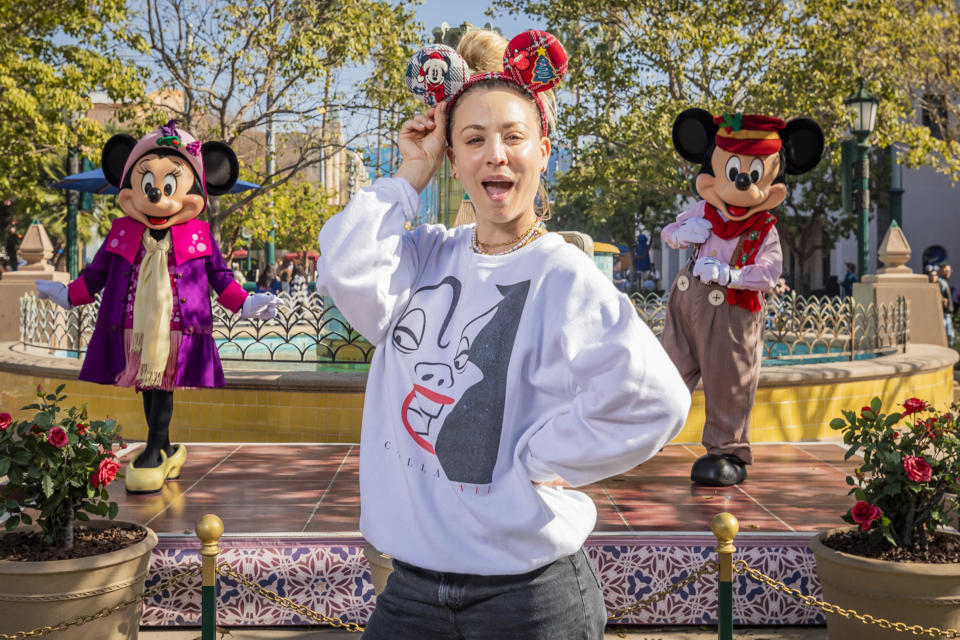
{"points": [[561, 601]]}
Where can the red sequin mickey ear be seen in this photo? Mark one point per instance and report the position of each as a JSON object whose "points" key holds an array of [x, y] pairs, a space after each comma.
{"points": [[536, 60], [435, 73]]}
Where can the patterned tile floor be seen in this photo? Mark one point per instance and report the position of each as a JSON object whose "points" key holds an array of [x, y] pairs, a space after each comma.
{"points": [[312, 488]]}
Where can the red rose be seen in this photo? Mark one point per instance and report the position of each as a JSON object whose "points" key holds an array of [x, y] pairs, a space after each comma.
{"points": [[81, 428], [912, 405], [864, 513], [917, 468], [105, 473], [5, 420], [867, 413], [57, 436]]}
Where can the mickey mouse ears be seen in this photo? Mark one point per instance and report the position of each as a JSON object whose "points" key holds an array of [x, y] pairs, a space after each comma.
{"points": [[535, 60], [435, 73]]}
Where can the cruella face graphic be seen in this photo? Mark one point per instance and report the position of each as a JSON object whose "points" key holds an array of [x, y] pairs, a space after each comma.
{"points": [[454, 408]]}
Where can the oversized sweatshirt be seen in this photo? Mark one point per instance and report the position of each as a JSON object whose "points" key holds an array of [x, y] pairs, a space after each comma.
{"points": [[491, 373]]}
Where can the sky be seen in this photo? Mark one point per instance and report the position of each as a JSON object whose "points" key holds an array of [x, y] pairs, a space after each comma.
{"points": [[454, 12]]}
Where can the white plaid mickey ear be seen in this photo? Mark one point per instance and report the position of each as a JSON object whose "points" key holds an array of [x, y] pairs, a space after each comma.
{"points": [[435, 73]]}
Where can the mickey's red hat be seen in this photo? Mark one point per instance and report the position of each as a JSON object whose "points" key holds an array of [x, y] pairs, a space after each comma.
{"points": [[754, 135]]}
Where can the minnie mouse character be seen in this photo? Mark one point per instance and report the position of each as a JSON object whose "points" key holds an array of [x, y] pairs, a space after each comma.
{"points": [[714, 321], [155, 269]]}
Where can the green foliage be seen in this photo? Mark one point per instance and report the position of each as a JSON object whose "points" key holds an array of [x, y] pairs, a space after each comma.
{"points": [[907, 485], [297, 210], [240, 65], [635, 65], [53, 55], [58, 465]]}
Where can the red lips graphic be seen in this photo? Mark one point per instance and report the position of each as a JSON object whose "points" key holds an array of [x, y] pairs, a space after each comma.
{"points": [[429, 395]]}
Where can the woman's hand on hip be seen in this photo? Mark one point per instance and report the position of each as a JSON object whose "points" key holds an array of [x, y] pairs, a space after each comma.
{"points": [[422, 141]]}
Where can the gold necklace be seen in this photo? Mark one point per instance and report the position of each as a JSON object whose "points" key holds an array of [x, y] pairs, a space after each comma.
{"points": [[491, 245], [532, 234]]}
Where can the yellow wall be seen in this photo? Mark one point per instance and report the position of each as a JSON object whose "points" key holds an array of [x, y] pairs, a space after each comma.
{"points": [[208, 415], [804, 412], [788, 410]]}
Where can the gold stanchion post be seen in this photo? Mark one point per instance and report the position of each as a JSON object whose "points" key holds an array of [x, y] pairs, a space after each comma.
{"points": [[209, 529], [725, 527]]}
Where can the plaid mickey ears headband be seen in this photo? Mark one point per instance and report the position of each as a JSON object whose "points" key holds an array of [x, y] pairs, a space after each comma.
{"points": [[535, 61]]}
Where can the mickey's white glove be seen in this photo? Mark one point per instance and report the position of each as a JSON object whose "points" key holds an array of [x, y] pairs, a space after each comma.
{"points": [[55, 292], [260, 306], [712, 270], [692, 231]]}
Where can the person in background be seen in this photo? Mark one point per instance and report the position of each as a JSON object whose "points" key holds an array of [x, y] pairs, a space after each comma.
{"points": [[285, 281], [264, 282], [641, 263], [848, 279], [832, 287], [943, 280]]}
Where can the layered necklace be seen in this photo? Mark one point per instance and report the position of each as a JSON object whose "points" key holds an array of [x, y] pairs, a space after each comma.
{"points": [[532, 233]]}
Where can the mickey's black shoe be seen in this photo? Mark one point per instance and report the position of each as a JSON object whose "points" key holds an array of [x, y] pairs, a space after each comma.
{"points": [[719, 470]]}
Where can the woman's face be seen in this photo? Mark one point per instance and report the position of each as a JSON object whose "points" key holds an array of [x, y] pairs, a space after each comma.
{"points": [[498, 152]]}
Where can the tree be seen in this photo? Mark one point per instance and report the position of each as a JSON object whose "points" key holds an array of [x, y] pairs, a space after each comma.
{"points": [[53, 55], [298, 209], [242, 65], [636, 64]]}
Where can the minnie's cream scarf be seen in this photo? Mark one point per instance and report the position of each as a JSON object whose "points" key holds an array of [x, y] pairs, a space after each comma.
{"points": [[152, 309]]}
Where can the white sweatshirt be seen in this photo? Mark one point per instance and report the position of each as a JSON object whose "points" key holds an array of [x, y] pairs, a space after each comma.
{"points": [[490, 373]]}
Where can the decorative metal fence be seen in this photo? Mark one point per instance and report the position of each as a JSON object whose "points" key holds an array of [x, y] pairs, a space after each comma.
{"points": [[308, 330]]}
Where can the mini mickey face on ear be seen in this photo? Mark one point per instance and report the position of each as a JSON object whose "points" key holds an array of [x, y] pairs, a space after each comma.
{"points": [[435, 73], [220, 166]]}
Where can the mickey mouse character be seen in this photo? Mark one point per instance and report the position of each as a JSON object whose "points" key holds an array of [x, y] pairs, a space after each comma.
{"points": [[432, 74], [155, 270], [714, 321]]}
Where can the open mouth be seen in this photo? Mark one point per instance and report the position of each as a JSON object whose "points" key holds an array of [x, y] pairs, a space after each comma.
{"points": [[734, 210], [157, 221], [420, 408], [497, 189]]}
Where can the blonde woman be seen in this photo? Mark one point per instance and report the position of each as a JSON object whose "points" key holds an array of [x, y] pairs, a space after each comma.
{"points": [[507, 370]]}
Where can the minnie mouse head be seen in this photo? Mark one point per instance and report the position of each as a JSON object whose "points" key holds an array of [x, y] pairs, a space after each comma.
{"points": [[744, 158], [166, 177]]}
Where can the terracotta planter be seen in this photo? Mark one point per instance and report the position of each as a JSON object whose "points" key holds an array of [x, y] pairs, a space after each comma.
{"points": [[35, 594], [381, 566], [908, 592]]}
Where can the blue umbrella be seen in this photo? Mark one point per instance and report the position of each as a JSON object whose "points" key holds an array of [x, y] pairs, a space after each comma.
{"points": [[94, 182]]}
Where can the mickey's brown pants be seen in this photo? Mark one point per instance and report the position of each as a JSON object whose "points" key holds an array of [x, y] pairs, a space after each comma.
{"points": [[722, 344]]}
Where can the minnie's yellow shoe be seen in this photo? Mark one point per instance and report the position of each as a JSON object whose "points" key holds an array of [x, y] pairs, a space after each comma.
{"points": [[175, 461], [146, 480]]}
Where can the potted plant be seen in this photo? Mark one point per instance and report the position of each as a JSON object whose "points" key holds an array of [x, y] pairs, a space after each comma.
{"points": [[55, 562], [897, 562]]}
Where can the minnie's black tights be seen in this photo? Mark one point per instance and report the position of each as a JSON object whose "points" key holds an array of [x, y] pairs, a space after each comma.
{"points": [[158, 409]]}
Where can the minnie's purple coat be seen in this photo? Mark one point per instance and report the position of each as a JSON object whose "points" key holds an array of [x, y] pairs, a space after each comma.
{"points": [[199, 265]]}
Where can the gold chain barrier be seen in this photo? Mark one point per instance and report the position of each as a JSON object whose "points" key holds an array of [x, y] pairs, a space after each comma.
{"points": [[224, 569], [707, 568], [933, 632], [193, 570]]}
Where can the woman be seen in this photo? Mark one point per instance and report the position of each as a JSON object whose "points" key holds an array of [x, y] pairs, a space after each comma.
{"points": [[506, 364]]}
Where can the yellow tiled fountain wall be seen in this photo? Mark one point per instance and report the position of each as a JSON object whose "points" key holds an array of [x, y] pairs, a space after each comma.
{"points": [[208, 415], [786, 413], [803, 412]]}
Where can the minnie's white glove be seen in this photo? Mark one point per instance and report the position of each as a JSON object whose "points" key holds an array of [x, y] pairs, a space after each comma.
{"points": [[55, 292], [260, 306], [692, 231], [712, 270]]}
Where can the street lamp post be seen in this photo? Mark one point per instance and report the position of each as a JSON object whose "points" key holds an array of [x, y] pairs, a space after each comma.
{"points": [[863, 104]]}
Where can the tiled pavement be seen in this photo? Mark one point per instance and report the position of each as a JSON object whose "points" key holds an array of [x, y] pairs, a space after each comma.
{"points": [[312, 488]]}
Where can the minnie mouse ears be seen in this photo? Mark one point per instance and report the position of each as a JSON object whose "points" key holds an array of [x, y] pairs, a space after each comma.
{"points": [[435, 73], [534, 60]]}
